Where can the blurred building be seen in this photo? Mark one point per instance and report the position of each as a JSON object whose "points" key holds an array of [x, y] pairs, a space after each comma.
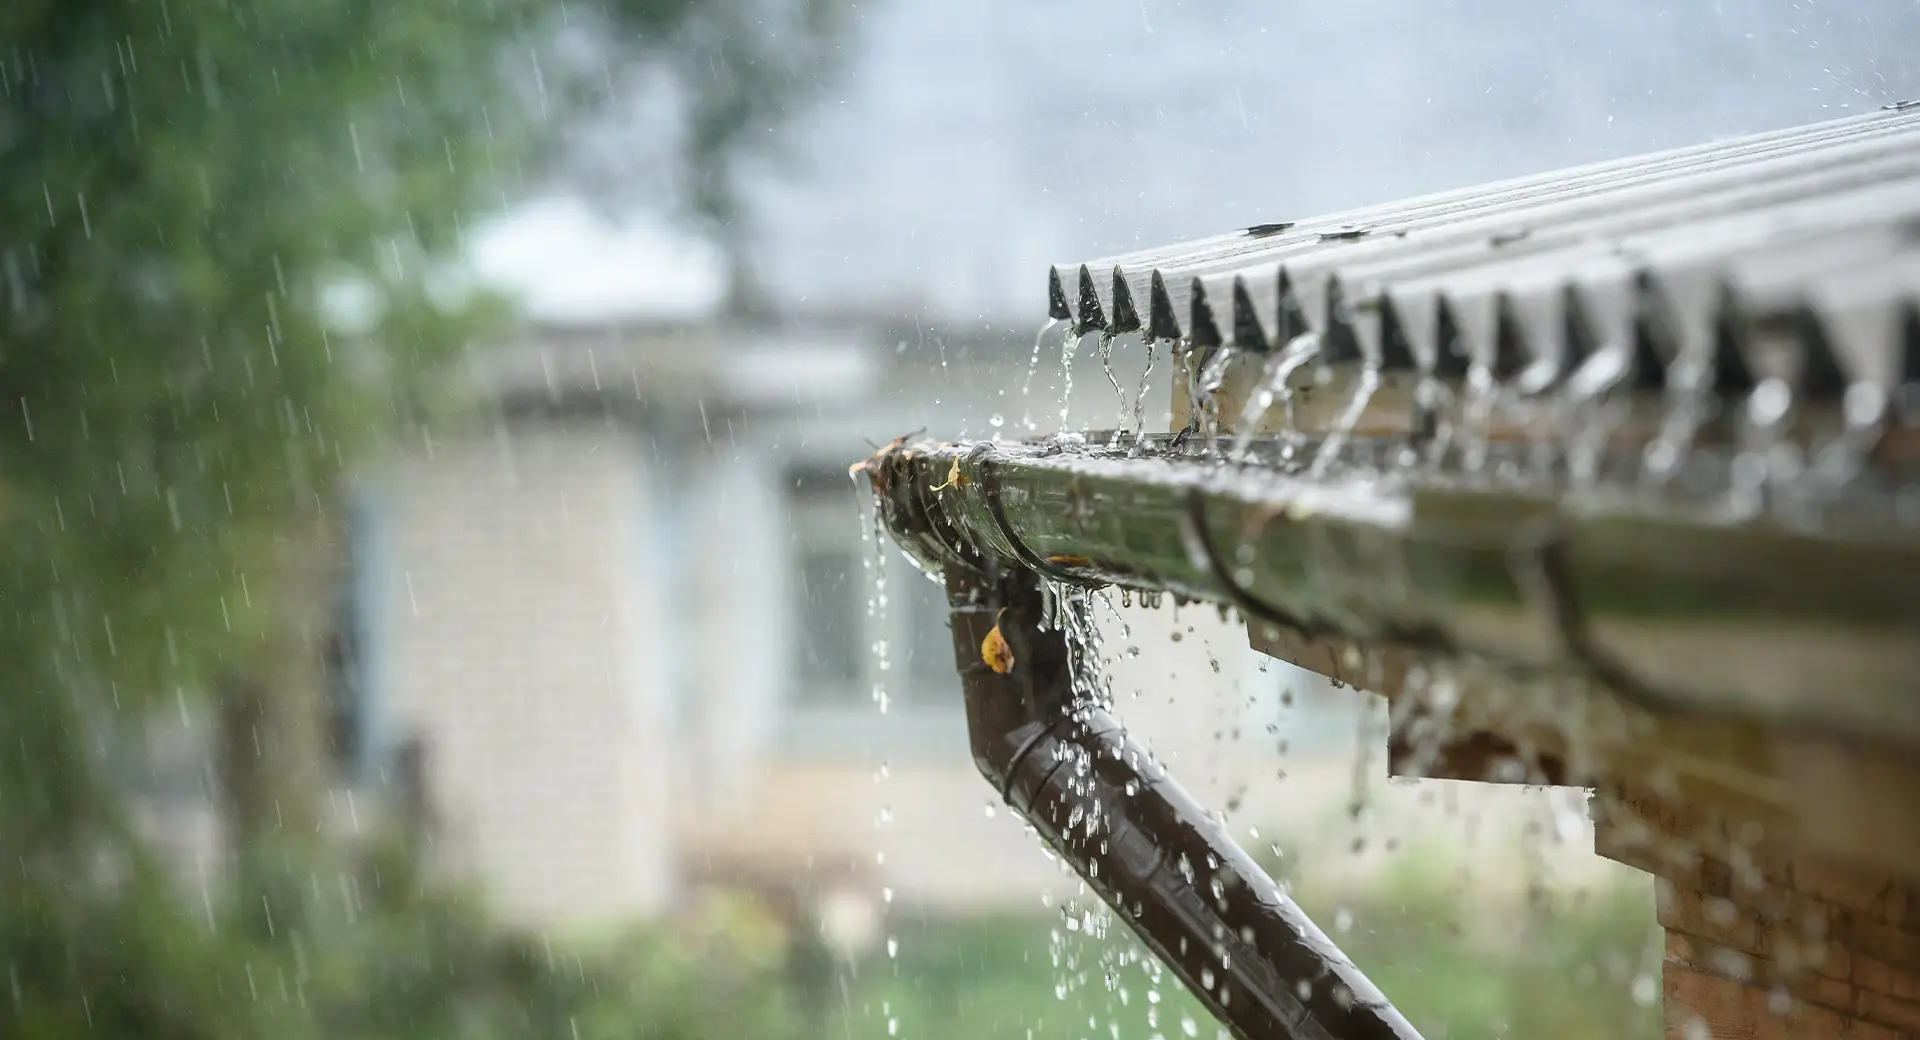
{"points": [[632, 627], [621, 636]]}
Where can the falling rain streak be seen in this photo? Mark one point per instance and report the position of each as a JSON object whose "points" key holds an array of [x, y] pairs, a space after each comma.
{"points": [[1275, 386], [1033, 368]]}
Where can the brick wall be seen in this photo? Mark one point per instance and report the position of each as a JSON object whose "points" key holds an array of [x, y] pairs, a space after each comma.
{"points": [[1802, 950], [1765, 940]]}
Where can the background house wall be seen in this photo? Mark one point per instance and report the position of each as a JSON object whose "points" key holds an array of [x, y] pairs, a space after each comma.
{"points": [[522, 640], [594, 614]]}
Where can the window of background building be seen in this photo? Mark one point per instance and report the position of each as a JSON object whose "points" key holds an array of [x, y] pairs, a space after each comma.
{"points": [[834, 630]]}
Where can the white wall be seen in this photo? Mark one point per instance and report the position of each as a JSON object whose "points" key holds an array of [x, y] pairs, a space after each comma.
{"points": [[519, 641]]}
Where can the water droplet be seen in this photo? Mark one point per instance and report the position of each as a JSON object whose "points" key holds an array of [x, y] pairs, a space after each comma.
{"points": [[991, 811], [996, 420], [893, 948], [1343, 919]]}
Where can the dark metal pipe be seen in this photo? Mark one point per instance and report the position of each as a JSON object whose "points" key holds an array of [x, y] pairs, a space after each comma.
{"points": [[1151, 852]]}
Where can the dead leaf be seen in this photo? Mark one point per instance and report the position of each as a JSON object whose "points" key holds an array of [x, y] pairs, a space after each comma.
{"points": [[893, 444], [1070, 561], [955, 478], [994, 649]]}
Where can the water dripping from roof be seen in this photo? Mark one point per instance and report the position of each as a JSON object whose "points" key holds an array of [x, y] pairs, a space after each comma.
{"points": [[1033, 367], [1273, 387]]}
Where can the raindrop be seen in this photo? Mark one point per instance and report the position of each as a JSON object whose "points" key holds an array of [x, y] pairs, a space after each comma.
{"points": [[1645, 990]]}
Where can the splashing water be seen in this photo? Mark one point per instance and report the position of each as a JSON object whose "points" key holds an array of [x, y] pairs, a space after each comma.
{"points": [[1435, 416], [1273, 386], [1761, 458], [1343, 427], [875, 564], [1069, 346], [1140, 398], [1033, 368], [1476, 419], [1863, 412], [874, 534], [1593, 415], [1071, 611], [1689, 405], [1203, 393], [1105, 350]]}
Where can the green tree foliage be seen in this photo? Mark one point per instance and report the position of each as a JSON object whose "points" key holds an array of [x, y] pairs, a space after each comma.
{"points": [[183, 184]]}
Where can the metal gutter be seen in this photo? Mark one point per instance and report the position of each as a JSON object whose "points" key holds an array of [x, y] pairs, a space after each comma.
{"points": [[1677, 610]]}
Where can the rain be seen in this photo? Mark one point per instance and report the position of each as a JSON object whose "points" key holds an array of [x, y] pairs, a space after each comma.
{"points": [[883, 518]]}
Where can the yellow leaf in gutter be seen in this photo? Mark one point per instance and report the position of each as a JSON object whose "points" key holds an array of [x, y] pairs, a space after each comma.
{"points": [[955, 478], [995, 651]]}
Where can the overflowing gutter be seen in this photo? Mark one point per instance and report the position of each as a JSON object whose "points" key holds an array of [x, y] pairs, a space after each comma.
{"points": [[1684, 613], [1640, 440]]}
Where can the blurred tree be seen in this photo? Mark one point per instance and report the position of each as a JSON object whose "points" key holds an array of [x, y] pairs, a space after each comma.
{"points": [[224, 226]]}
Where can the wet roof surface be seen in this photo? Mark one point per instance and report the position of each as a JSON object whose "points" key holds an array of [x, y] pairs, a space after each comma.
{"points": [[1809, 236]]}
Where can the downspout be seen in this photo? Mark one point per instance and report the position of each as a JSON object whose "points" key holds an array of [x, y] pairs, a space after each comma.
{"points": [[1151, 852]]}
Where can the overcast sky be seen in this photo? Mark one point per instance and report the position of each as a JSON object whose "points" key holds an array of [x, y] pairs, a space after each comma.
{"points": [[968, 145]]}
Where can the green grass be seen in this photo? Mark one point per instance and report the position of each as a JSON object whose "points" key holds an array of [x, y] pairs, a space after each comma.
{"points": [[1015, 978], [1563, 968]]}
